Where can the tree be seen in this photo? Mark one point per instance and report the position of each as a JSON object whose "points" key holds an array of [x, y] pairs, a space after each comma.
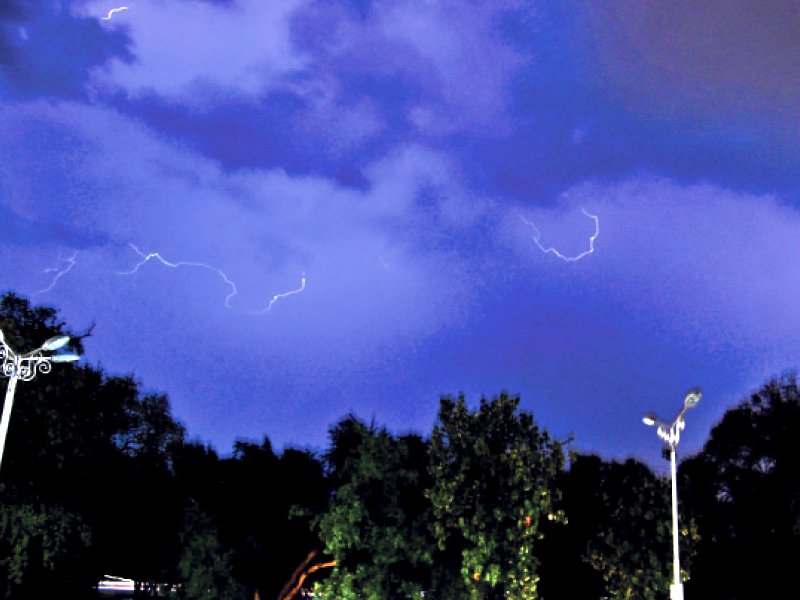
{"points": [[744, 490], [41, 550], [45, 539], [248, 497], [375, 526], [493, 486], [205, 566], [93, 453], [618, 522]]}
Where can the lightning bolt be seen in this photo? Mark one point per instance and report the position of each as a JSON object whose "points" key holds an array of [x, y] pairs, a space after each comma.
{"points": [[145, 258], [112, 11], [175, 265], [551, 250], [277, 297], [59, 273]]}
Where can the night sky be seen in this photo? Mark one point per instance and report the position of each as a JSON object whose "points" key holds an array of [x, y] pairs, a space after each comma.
{"points": [[359, 206]]}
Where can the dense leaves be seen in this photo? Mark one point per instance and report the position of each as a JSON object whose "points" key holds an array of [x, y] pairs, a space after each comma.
{"points": [[619, 524], [205, 566], [375, 527], [493, 471], [41, 550]]}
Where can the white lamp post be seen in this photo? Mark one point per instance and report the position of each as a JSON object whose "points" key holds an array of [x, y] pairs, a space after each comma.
{"points": [[25, 367], [672, 435]]}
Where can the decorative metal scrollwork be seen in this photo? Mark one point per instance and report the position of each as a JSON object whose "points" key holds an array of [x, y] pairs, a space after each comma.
{"points": [[25, 367], [9, 360], [30, 366]]}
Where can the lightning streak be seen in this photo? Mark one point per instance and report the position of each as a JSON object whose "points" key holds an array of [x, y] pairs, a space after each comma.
{"points": [[155, 255], [233, 290], [277, 297], [59, 273], [551, 250], [112, 11]]}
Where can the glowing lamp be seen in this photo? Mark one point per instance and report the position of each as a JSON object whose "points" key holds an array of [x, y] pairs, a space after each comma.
{"points": [[693, 397], [64, 358], [54, 343]]}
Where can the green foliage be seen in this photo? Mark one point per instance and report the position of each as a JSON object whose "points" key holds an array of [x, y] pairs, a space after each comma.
{"points": [[249, 497], [493, 472], [376, 523], [205, 567], [38, 542], [98, 478], [620, 515]]}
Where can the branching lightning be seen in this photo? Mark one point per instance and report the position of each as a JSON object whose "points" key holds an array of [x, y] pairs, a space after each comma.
{"points": [[145, 258], [551, 250], [112, 11], [59, 273]]}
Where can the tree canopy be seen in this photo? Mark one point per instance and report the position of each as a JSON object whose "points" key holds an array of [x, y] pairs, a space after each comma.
{"points": [[744, 491], [100, 478], [493, 486]]}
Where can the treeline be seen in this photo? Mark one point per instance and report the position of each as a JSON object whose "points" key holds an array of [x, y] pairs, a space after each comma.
{"points": [[99, 478]]}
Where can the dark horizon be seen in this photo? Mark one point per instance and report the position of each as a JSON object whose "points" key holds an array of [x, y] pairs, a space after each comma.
{"points": [[280, 213]]}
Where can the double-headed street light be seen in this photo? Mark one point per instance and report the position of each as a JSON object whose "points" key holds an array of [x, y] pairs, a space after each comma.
{"points": [[25, 367], [672, 434]]}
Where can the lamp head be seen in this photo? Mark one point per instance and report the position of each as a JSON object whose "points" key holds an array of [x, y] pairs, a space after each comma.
{"points": [[54, 343], [692, 397], [649, 419], [64, 358]]}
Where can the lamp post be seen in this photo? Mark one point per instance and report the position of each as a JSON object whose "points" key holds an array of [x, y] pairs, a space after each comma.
{"points": [[672, 435], [25, 367]]}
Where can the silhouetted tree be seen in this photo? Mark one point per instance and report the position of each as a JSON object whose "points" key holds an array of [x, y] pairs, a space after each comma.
{"points": [[248, 497], [92, 454], [744, 491], [618, 524]]}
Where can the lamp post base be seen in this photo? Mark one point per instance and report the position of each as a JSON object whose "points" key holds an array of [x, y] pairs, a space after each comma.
{"points": [[676, 591]]}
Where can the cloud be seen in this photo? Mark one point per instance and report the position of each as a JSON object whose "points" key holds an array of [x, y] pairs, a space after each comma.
{"points": [[712, 61], [45, 51], [444, 66], [715, 267], [416, 69], [463, 52], [182, 50], [110, 181]]}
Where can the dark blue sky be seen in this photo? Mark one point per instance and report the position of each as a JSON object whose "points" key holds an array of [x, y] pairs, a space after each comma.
{"points": [[353, 202]]}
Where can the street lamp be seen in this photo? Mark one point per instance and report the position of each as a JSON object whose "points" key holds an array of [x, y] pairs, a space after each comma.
{"points": [[672, 434], [25, 367]]}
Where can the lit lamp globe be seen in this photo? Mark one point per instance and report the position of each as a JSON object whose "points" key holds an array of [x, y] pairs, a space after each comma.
{"points": [[693, 397], [64, 358], [54, 343]]}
